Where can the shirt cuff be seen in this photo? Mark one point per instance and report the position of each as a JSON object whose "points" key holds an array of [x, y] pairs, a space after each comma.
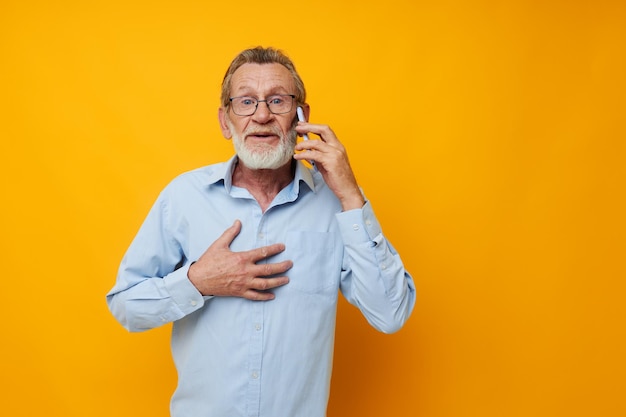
{"points": [[359, 225], [184, 294]]}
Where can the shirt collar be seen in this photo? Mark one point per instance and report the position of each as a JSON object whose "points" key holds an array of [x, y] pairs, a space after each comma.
{"points": [[224, 172]]}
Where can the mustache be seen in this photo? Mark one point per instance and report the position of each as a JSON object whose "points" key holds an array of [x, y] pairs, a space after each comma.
{"points": [[254, 130]]}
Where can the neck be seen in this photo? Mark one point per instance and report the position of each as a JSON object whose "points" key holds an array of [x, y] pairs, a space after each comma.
{"points": [[263, 184]]}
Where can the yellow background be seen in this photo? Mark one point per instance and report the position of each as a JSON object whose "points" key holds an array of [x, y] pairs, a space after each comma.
{"points": [[489, 135]]}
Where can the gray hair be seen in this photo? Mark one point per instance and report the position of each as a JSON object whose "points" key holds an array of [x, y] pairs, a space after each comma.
{"points": [[260, 55]]}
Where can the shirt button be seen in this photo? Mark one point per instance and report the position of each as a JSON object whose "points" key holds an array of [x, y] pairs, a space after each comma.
{"points": [[261, 235], [254, 375], [194, 303], [355, 227], [367, 222]]}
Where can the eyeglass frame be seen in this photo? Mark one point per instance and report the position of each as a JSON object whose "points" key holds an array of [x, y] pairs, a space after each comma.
{"points": [[256, 107]]}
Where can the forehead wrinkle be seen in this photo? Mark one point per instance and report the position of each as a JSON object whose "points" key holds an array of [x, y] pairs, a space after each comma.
{"points": [[253, 90], [269, 80]]}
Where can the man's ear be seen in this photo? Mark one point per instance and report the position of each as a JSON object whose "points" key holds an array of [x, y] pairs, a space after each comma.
{"points": [[222, 116]]}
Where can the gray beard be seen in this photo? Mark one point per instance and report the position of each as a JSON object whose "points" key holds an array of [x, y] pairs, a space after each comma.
{"points": [[264, 156]]}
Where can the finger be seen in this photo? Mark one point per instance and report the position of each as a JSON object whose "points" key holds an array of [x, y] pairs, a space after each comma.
{"points": [[323, 131], [265, 270], [261, 286], [265, 251], [313, 150], [311, 155], [229, 235], [265, 284], [310, 145], [258, 295]]}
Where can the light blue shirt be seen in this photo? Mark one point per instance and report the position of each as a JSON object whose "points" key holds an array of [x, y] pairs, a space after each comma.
{"points": [[237, 357]]}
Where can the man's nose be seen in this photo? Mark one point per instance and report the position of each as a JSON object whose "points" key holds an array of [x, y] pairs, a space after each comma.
{"points": [[262, 113]]}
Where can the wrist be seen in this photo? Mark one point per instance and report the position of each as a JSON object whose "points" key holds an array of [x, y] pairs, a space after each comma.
{"points": [[193, 277], [353, 203]]}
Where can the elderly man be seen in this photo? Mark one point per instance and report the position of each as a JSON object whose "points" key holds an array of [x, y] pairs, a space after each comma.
{"points": [[247, 257]]}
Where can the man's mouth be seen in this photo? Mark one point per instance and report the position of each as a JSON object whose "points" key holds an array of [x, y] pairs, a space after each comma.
{"points": [[262, 135]]}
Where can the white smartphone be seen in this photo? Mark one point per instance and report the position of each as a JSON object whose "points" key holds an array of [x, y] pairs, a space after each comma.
{"points": [[304, 136], [302, 119]]}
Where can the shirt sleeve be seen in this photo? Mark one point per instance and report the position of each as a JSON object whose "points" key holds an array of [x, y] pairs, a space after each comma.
{"points": [[374, 278], [152, 287]]}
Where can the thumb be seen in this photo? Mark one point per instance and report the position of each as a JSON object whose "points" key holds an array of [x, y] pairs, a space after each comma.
{"points": [[229, 235]]}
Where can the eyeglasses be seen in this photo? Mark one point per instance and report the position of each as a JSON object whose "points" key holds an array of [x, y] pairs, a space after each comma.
{"points": [[277, 104]]}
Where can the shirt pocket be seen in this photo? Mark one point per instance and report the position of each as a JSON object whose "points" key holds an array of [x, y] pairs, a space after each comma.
{"points": [[316, 269]]}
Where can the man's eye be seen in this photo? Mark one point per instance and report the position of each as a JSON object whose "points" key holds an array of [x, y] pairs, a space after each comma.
{"points": [[276, 100], [247, 102]]}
